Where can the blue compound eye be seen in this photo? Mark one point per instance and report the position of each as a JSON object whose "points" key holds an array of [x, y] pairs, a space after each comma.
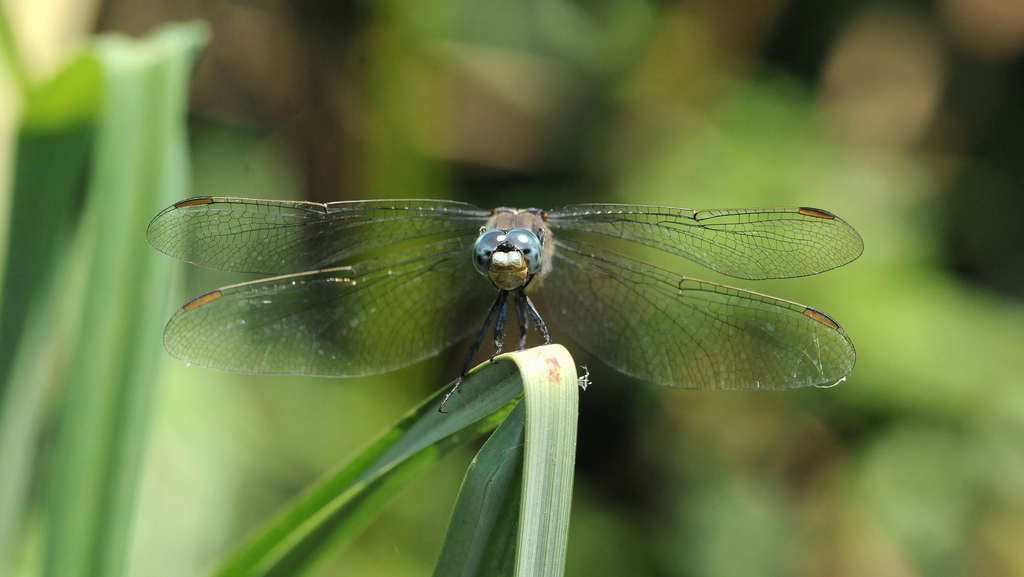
{"points": [[485, 246], [529, 245]]}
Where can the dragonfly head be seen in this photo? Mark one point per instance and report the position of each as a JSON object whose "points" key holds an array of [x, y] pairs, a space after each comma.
{"points": [[510, 258]]}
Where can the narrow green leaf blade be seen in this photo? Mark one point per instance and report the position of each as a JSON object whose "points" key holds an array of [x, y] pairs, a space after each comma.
{"points": [[481, 537], [513, 509], [139, 163], [333, 511], [50, 168], [49, 177], [551, 396]]}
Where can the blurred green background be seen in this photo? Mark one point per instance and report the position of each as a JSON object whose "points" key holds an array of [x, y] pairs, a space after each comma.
{"points": [[904, 118]]}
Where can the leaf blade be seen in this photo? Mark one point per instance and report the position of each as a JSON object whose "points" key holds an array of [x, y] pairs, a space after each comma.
{"points": [[332, 511]]}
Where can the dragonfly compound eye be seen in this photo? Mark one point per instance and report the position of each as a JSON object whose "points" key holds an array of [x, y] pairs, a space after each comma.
{"points": [[485, 246], [529, 245]]}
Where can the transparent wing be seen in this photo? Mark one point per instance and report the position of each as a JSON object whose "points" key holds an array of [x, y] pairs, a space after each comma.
{"points": [[367, 318], [687, 333], [281, 237], [748, 243]]}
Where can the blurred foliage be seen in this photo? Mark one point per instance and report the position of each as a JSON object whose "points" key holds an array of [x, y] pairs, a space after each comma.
{"points": [[100, 147], [904, 118]]}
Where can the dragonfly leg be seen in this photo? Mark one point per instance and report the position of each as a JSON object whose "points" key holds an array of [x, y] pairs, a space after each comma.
{"points": [[535, 316], [499, 303], [499, 327], [524, 321]]}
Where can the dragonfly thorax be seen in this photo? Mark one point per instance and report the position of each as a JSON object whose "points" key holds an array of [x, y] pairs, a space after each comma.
{"points": [[510, 258]]}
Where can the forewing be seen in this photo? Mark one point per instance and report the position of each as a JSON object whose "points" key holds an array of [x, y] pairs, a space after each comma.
{"points": [[688, 333], [748, 243], [367, 318], [281, 237]]}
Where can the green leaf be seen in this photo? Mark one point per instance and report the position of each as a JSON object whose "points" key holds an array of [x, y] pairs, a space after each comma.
{"points": [[330, 513], [333, 511], [549, 461], [138, 164], [43, 269], [481, 537], [50, 167], [49, 179], [71, 98], [513, 509]]}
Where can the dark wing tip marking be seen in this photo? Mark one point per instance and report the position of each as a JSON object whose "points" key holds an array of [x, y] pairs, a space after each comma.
{"points": [[194, 201], [202, 300], [822, 318], [816, 213]]}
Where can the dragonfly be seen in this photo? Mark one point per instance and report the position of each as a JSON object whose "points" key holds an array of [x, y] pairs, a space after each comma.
{"points": [[427, 274]]}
